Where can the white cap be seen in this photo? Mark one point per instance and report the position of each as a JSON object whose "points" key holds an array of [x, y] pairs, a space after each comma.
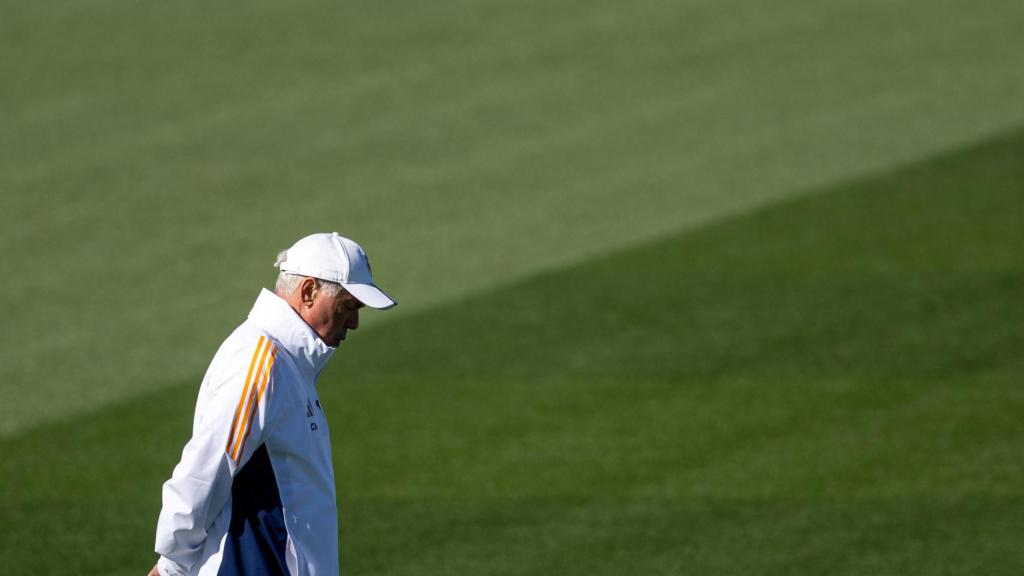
{"points": [[334, 258]]}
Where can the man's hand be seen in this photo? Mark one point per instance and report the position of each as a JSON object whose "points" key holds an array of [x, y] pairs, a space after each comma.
{"points": [[154, 571]]}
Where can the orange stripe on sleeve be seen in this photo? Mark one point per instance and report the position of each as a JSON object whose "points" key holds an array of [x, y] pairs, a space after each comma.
{"points": [[245, 389], [249, 401], [255, 406]]}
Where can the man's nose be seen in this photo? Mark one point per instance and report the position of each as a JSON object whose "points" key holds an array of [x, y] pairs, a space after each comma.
{"points": [[353, 320]]}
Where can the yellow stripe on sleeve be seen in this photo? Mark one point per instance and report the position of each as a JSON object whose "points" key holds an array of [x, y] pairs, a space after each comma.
{"points": [[245, 389], [258, 396]]}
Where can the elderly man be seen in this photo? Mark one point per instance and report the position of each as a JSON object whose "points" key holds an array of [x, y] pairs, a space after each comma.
{"points": [[253, 493]]}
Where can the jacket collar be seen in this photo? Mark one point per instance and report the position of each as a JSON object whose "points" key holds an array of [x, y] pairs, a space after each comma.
{"points": [[274, 315]]}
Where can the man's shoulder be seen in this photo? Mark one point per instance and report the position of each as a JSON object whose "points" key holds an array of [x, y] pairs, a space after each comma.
{"points": [[247, 348], [245, 338]]}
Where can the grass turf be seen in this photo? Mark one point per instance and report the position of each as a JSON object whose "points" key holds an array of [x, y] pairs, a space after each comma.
{"points": [[830, 385], [151, 148]]}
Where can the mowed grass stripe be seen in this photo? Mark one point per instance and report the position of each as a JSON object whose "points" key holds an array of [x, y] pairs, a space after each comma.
{"points": [[169, 148], [831, 385]]}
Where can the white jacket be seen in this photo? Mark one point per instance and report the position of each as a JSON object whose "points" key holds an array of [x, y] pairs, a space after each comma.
{"points": [[254, 491]]}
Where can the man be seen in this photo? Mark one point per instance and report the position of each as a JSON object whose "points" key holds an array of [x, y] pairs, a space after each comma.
{"points": [[253, 493]]}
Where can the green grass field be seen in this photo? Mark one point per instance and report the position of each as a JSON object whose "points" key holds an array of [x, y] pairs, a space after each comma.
{"points": [[686, 287]]}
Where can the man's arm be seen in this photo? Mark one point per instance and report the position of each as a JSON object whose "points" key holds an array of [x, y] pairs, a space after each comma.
{"points": [[231, 416]]}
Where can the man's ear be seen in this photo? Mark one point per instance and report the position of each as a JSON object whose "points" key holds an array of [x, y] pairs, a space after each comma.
{"points": [[307, 291]]}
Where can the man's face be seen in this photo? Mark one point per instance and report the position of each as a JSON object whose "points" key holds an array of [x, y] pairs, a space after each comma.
{"points": [[332, 318]]}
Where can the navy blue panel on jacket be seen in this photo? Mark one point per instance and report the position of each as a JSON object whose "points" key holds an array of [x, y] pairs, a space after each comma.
{"points": [[256, 541]]}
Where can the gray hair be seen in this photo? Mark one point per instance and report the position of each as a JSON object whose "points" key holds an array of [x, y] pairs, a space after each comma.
{"points": [[288, 282]]}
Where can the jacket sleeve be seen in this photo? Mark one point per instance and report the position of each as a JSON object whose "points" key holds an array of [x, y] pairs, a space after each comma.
{"points": [[232, 420]]}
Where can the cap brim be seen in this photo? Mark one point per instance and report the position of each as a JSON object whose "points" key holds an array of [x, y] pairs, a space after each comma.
{"points": [[371, 296]]}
